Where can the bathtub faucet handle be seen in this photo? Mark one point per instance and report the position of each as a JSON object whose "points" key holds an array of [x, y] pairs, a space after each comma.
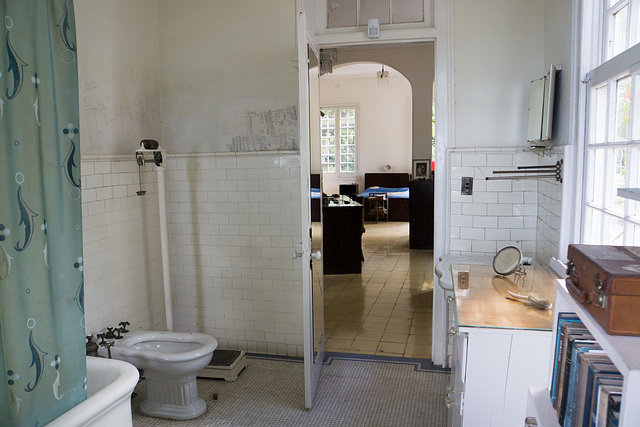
{"points": [[119, 337], [124, 325], [108, 345], [101, 336], [110, 333]]}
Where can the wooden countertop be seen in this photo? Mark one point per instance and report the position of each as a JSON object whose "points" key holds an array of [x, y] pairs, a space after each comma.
{"points": [[482, 306]]}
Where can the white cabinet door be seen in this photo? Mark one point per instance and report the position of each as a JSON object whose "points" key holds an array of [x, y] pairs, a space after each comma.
{"points": [[458, 373], [500, 366], [487, 368]]}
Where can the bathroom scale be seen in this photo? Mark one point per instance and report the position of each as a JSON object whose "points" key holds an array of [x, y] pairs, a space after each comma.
{"points": [[224, 364]]}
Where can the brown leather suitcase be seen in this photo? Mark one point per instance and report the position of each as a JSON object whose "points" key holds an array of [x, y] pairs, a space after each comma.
{"points": [[606, 281]]}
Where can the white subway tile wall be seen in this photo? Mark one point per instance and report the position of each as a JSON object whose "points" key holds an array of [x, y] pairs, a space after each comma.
{"points": [[234, 222], [499, 213], [121, 259], [549, 211]]}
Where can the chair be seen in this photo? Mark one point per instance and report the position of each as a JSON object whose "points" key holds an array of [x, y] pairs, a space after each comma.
{"points": [[378, 206]]}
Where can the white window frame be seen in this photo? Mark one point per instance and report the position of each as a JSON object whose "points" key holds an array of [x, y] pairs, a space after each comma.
{"points": [[599, 213], [338, 164]]}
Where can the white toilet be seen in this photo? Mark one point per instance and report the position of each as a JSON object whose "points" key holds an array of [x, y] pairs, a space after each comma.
{"points": [[171, 361]]}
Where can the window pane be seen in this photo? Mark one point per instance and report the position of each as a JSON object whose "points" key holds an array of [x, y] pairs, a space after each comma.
{"points": [[619, 178], [347, 139], [598, 122], [592, 229], [632, 235], [619, 42], [341, 13], [408, 11], [374, 9], [595, 183], [613, 232], [635, 120], [623, 108], [633, 181], [328, 140]]}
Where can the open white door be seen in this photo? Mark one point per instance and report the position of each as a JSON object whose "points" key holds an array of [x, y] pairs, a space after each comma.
{"points": [[313, 294]]}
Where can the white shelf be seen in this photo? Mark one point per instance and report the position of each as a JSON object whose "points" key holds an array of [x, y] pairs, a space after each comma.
{"points": [[624, 352], [544, 412], [629, 193]]}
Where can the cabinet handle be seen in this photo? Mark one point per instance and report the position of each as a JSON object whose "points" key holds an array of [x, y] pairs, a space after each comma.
{"points": [[453, 332]]}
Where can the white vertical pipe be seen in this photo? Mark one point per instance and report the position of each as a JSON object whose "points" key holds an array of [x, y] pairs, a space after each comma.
{"points": [[164, 244]]}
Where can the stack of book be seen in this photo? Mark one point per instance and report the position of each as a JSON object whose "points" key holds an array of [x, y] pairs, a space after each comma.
{"points": [[586, 387]]}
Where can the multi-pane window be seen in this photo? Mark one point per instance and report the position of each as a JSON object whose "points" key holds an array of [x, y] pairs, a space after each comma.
{"points": [[613, 131], [350, 13], [621, 24], [338, 136]]}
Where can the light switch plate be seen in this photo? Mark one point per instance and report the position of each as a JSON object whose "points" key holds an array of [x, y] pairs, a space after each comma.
{"points": [[466, 188]]}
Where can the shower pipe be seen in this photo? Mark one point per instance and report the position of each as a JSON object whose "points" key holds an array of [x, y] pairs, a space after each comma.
{"points": [[159, 156]]}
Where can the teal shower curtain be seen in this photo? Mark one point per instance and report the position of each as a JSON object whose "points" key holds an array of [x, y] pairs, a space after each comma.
{"points": [[42, 351]]}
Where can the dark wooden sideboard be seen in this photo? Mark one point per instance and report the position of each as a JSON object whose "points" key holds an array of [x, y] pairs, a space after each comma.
{"points": [[342, 228], [421, 214]]}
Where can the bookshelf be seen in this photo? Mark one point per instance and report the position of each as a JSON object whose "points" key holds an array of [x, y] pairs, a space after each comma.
{"points": [[624, 352]]}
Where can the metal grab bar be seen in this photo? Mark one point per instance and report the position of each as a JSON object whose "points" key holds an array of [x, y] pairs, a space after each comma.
{"points": [[532, 172]]}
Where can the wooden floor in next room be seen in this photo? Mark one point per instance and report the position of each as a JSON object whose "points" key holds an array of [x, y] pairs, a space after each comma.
{"points": [[386, 310]]}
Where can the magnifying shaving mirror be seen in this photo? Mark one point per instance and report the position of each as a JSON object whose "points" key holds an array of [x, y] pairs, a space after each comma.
{"points": [[507, 261]]}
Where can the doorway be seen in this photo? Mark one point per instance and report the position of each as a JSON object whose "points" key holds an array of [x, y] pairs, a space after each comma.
{"points": [[387, 309]]}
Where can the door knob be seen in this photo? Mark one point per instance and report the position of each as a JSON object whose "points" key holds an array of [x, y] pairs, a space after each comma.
{"points": [[297, 254], [316, 255]]}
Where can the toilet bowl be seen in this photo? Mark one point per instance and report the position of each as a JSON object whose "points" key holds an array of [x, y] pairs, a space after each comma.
{"points": [[170, 361]]}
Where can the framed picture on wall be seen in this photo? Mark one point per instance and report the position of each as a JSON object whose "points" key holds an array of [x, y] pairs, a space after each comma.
{"points": [[421, 169]]}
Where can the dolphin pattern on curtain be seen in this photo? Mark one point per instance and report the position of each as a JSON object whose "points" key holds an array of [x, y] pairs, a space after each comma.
{"points": [[42, 346]]}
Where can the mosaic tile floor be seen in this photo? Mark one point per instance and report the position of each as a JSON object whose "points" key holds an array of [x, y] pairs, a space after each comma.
{"points": [[354, 390], [386, 310]]}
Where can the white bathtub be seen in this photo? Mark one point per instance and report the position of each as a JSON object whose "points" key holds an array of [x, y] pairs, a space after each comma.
{"points": [[109, 386]]}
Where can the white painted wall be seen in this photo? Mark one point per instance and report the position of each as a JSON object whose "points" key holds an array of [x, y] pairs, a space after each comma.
{"points": [[219, 61], [557, 51], [498, 50], [384, 127], [118, 74], [416, 62]]}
